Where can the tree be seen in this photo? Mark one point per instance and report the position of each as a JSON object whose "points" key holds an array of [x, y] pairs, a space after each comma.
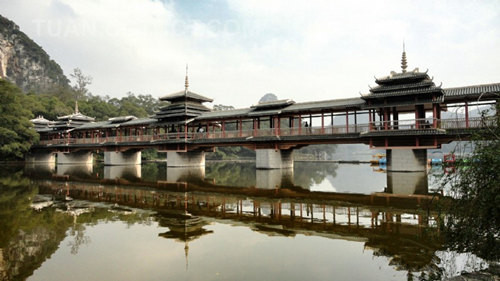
{"points": [[82, 82], [16, 132], [473, 218], [96, 107], [319, 151]]}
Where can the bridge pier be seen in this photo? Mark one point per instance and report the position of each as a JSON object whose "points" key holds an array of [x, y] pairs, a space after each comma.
{"points": [[117, 158], [274, 158], [77, 157], [186, 159], [406, 160], [41, 157]]}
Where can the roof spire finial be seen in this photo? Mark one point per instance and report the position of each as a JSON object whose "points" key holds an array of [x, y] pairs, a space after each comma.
{"points": [[76, 107], [186, 83], [404, 64]]}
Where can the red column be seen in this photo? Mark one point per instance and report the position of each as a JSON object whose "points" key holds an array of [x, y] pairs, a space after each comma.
{"points": [[300, 124], [347, 121], [241, 127], [466, 115], [355, 121], [417, 125], [275, 125], [254, 127], [434, 115], [322, 123], [223, 129], [370, 125], [279, 125], [386, 119]]}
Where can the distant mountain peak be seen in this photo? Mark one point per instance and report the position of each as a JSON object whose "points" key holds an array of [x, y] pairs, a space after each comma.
{"points": [[268, 97], [25, 63]]}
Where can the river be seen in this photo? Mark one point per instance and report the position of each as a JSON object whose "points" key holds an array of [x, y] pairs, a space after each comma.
{"points": [[227, 221]]}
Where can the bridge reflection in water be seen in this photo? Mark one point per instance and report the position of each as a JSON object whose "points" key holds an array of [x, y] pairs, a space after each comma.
{"points": [[399, 226]]}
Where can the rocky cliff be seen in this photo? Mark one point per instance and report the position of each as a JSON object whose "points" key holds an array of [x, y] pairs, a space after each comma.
{"points": [[25, 63]]}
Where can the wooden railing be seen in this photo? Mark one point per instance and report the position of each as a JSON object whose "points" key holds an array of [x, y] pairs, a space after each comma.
{"points": [[419, 124]]}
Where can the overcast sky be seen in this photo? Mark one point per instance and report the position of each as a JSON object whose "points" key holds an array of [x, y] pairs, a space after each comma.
{"points": [[238, 50]]}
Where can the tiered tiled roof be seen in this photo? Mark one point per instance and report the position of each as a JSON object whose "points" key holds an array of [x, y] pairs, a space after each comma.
{"points": [[403, 89], [41, 124], [73, 120], [115, 122], [182, 105], [406, 84]]}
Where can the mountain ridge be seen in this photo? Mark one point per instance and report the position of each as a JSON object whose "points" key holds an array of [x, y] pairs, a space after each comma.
{"points": [[25, 63]]}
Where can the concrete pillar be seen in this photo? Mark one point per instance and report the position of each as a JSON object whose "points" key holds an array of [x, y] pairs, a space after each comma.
{"points": [[41, 157], [407, 183], [123, 171], [185, 159], [274, 178], [406, 160], [113, 158], [274, 159], [78, 157]]}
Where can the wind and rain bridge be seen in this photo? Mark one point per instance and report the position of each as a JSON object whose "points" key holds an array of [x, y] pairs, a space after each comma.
{"points": [[404, 113]]}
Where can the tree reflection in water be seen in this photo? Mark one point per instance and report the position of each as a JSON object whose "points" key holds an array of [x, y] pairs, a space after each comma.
{"points": [[304, 175], [307, 174], [408, 237]]}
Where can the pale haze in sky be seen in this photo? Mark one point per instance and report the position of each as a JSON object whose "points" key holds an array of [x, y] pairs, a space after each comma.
{"points": [[238, 50]]}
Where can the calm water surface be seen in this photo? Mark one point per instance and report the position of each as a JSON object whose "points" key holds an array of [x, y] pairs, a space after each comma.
{"points": [[318, 221]]}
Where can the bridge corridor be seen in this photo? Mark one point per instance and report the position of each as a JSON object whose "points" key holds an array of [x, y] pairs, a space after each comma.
{"points": [[406, 113]]}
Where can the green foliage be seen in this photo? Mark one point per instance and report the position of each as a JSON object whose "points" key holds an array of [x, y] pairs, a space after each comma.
{"points": [[81, 82], [146, 102], [318, 151], [152, 154], [16, 132], [473, 218], [46, 105], [229, 174], [95, 106], [231, 152], [59, 102]]}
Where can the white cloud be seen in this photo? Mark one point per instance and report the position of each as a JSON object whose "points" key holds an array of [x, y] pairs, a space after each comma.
{"points": [[296, 49]]}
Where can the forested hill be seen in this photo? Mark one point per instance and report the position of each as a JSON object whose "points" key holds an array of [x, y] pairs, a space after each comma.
{"points": [[24, 63], [31, 85]]}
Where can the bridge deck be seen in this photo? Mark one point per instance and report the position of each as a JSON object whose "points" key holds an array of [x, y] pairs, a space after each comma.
{"points": [[446, 130]]}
